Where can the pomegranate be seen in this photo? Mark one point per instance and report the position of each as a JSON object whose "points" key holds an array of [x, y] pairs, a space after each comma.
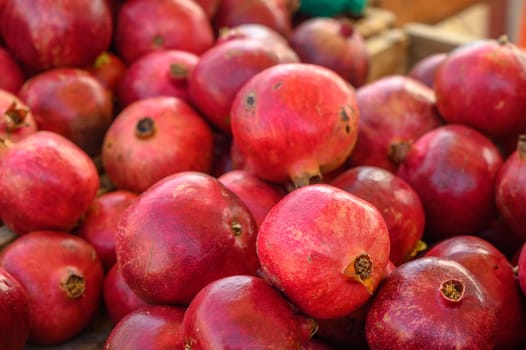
{"points": [[521, 267], [483, 85], [430, 303], [494, 272], [99, 224], [72, 103], [394, 111], [453, 170], [333, 43], [63, 277], [322, 243], [10, 71], [210, 7], [424, 70], [143, 26], [177, 230], [258, 195], [294, 122], [16, 316], [48, 34], [221, 72], [16, 120], [155, 327], [108, 69], [396, 200], [157, 73], [243, 312], [511, 189], [46, 189], [500, 235], [153, 138]]}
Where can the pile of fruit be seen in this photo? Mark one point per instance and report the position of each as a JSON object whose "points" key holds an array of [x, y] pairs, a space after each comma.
{"points": [[220, 174]]}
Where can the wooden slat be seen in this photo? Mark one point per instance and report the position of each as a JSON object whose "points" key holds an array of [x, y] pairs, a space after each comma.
{"points": [[388, 52], [374, 21]]}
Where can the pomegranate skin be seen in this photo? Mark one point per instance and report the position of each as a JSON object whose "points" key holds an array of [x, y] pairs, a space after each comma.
{"points": [[16, 316], [322, 243], [394, 111], [48, 189], [494, 99], [243, 312], [16, 120], [294, 122], [63, 277], [453, 169], [108, 69], [399, 204], [494, 272], [10, 71], [410, 311], [210, 7], [521, 266], [425, 69], [153, 138], [221, 72], [144, 26], [47, 34], [177, 230], [155, 327]]}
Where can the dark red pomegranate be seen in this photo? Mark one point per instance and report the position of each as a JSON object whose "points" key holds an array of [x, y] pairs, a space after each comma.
{"points": [[63, 277], [155, 327], [221, 72], [243, 312], [144, 26], [72, 103], [108, 69], [394, 112], [16, 120], [49, 34], [333, 43], [453, 169], [483, 85], [10, 71], [322, 243], [294, 122], [431, 303], [500, 235], [396, 200], [153, 138], [45, 189], [425, 69], [16, 316], [521, 267], [185, 231]]}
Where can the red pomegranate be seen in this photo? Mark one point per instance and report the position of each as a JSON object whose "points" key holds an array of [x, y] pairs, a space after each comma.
{"points": [[46, 189], [483, 85], [144, 26], [243, 312], [430, 303], [10, 71], [16, 120], [424, 70], [394, 112], [49, 34], [322, 243], [521, 267], [63, 277], [185, 231], [153, 138], [294, 122], [108, 69]]}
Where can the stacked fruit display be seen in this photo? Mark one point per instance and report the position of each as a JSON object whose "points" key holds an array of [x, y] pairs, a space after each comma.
{"points": [[221, 175]]}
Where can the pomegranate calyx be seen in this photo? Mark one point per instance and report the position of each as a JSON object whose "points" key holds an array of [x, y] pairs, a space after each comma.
{"points": [[398, 150], [178, 73], [15, 117], [74, 285], [503, 40], [521, 146], [361, 270], [452, 290], [145, 128], [237, 228], [346, 28]]}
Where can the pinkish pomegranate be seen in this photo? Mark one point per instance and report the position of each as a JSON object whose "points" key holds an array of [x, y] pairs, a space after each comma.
{"points": [[72, 103], [430, 303], [521, 268], [177, 230], [494, 272], [16, 316], [49, 34], [243, 312], [144, 26], [46, 189], [221, 72], [322, 243], [453, 170], [10, 71], [424, 70], [153, 138], [335, 44], [99, 224], [396, 200], [119, 299], [155, 327], [108, 69], [63, 277], [258, 195], [157, 73], [511, 189], [483, 85], [210, 7], [294, 122], [16, 120], [394, 111]]}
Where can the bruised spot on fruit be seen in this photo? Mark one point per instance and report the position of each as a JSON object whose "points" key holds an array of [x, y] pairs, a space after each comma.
{"points": [[15, 117], [344, 115], [361, 270], [237, 228], [74, 285], [158, 41], [277, 85], [145, 128], [452, 290], [347, 129], [250, 100], [398, 151]]}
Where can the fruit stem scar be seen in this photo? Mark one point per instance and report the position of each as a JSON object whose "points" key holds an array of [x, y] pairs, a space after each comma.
{"points": [[361, 270], [74, 285], [250, 100], [237, 228], [452, 290], [15, 117], [145, 127]]}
